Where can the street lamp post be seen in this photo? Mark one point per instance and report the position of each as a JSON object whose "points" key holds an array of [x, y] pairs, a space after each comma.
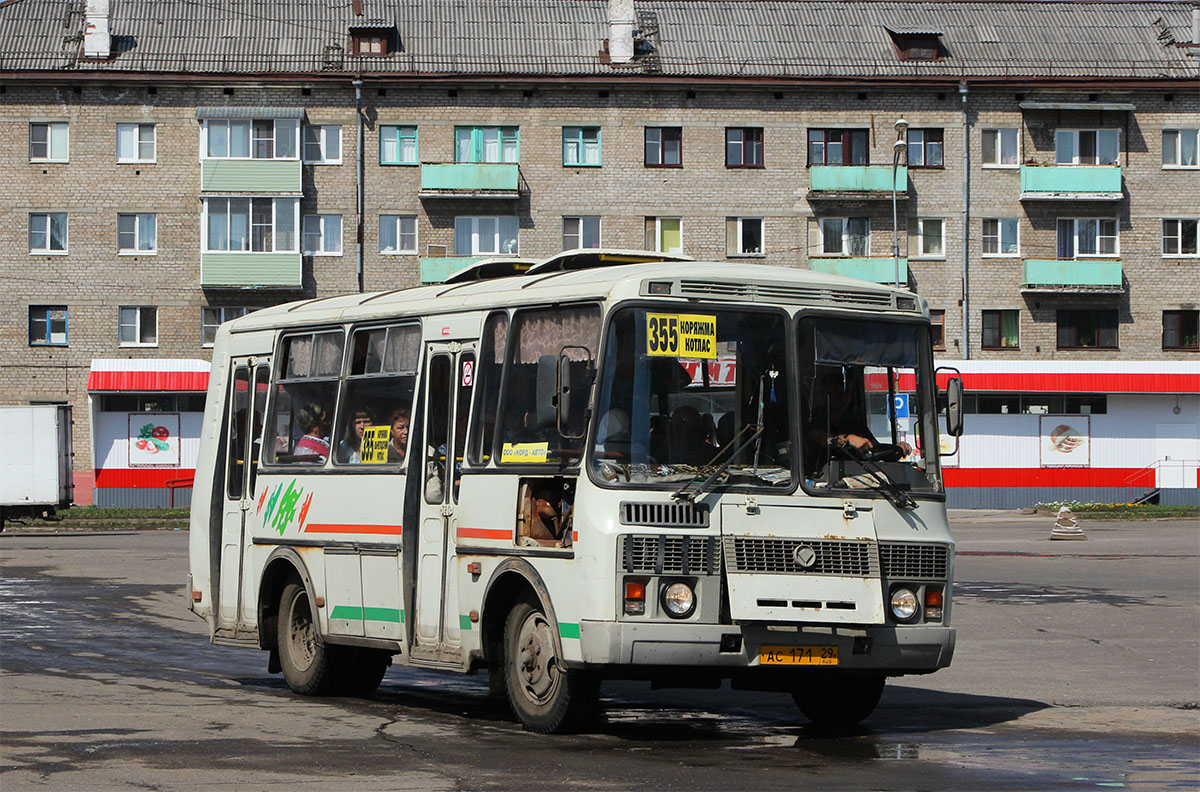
{"points": [[901, 145]]}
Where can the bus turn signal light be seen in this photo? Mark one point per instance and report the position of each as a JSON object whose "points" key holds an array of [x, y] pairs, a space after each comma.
{"points": [[635, 597], [933, 604]]}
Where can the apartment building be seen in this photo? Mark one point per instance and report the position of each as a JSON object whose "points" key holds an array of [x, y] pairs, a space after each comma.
{"points": [[1031, 169]]}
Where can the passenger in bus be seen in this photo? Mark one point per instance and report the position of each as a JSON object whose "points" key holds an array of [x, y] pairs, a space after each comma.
{"points": [[314, 420], [349, 450], [612, 434], [398, 447], [689, 442], [837, 418]]}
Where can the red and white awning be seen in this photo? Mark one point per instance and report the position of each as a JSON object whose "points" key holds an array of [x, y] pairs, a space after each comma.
{"points": [[1171, 377], [148, 374]]}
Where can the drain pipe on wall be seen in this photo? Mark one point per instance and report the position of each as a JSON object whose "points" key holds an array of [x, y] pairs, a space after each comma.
{"points": [[966, 226], [358, 235]]}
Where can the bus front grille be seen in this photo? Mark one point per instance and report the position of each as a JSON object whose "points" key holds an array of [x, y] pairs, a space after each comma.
{"points": [[681, 555], [664, 515], [914, 560], [784, 556]]}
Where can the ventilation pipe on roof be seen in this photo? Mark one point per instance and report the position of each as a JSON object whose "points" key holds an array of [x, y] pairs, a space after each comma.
{"points": [[620, 31], [1196, 25], [97, 43]]}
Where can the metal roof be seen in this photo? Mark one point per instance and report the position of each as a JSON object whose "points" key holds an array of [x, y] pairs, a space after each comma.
{"points": [[746, 39]]}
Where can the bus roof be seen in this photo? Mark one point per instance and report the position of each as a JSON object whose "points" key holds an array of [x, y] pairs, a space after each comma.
{"points": [[709, 281]]}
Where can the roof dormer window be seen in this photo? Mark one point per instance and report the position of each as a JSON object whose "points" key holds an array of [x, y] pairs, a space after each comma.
{"points": [[917, 43], [374, 40]]}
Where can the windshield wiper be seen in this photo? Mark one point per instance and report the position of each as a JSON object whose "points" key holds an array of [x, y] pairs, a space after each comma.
{"points": [[683, 494], [890, 489]]}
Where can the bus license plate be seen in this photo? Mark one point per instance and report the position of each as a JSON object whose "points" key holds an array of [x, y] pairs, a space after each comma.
{"points": [[798, 655]]}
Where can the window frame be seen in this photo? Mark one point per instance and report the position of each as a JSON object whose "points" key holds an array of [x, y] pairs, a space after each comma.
{"points": [[505, 134], [322, 143], [921, 254], [577, 135], [236, 312], [399, 234], [846, 237], [1179, 237], [666, 134], [1075, 133], [137, 128], [1075, 223], [925, 145], [206, 242], [749, 137], [999, 237], [137, 234], [50, 126], [937, 318], [998, 145], [581, 232], [228, 123], [999, 315], [658, 221], [499, 236], [48, 250], [48, 336], [1074, 313], [322, 221], [1180, 330], [846, 142], [396, 132], [137, 325], [1177, 148], [737, 225]]}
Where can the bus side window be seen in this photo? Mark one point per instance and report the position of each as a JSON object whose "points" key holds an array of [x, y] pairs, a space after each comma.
{"points": [[378, 396], [487, 386], [239, 402], [262, 386], [302, 410]]}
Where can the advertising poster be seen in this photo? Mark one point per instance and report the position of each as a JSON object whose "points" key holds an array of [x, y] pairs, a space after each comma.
{"points": [[1066, 441], [154, 439]]}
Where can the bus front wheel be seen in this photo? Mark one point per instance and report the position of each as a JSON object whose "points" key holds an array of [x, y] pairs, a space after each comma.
{"points": [[838, 699], [545, 696], [307, 661]]}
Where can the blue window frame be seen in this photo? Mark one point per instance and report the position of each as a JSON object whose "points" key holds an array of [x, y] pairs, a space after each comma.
{"points": [[397, 145], [47, 325], [581, 146]]}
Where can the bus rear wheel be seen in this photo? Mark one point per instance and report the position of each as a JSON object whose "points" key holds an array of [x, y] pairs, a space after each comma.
{"points": [[838, 699], [546, 696], [309, 664]]}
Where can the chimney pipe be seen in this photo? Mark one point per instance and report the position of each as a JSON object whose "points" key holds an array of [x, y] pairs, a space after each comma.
{"points": [[97, 43], [620, 31], [1196, 25]]}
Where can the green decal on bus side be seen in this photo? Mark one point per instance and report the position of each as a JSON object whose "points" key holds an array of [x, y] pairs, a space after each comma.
{"points": [[369, 614], [568, 630], [464, 622]]}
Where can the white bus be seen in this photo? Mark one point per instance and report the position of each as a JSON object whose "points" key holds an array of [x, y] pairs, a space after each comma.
{"points": [[608, 465]]}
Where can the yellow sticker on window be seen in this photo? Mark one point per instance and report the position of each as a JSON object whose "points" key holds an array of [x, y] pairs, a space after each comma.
{"points": [[375, 442], [681, 335], [524, 452]]}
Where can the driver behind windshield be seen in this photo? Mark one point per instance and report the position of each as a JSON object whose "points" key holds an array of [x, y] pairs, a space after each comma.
{"points": [[838, 417]]}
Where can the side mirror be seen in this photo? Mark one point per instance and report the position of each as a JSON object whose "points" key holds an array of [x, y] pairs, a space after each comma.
{"points": [[954, 407], [572, 376], [547, 391]]}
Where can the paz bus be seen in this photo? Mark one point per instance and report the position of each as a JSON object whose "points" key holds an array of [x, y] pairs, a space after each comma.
{"points": [[604, 465]]}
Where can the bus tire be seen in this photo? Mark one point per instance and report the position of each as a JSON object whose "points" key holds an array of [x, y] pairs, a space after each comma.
{"points": [[546, 697], [309, 664], [364, 670], [838, 699]]}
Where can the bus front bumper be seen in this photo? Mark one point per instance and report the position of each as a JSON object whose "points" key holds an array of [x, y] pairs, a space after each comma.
{"points": [[896, 650]]}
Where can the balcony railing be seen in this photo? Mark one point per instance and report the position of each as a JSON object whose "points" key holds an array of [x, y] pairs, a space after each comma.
{"points": [[1071, 182], [1072, 275], [251, 271], [257, 176], [856, 182], [876, 270], [470, 179]]}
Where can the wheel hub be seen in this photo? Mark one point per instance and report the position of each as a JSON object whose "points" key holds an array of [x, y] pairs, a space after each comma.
{"points": [[536, 660]]}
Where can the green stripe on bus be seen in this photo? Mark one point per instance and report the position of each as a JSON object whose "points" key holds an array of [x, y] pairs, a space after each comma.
{"points": [[346, 612], [353, 613], [568, 630], [381, 614], [464, 622]]}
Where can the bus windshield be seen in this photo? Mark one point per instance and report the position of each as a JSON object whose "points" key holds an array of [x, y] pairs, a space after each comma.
{"points": [[867, 417], [685, 389]]}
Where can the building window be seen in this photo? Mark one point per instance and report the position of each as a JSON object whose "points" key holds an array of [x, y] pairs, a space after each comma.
{"points": [[1087, 236], [397, 145], [242, 138], [1086, 147], [375, 42], [1180, 149], [1000, 148], [744, 147], [1179, 329], [47, 325], [837, 147], [846, 236], [137, 325], [1001, 329], [213, 317], [258, 225], [664, 234], [925, 148], [48, 233], [1179, 236], [930, 233], [137, 233], [1000, 236], [581, 232], [474, 236], [581, 146], [397, 233], [744, 236], [322, 144], [486, 144], [937, 329], [664, 147], [1095, 329], [48, 142], [321, 235], [135, 143]]}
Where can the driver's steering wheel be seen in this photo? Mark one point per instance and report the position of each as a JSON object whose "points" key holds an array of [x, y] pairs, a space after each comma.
{"points": [[880, 452]]}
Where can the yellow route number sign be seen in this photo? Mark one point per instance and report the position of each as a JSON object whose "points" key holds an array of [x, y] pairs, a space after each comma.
{"points": [[681, 335], [375, 441]]}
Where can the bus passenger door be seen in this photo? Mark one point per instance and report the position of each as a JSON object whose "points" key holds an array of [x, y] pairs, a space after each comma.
{"points": [[433, 457]]}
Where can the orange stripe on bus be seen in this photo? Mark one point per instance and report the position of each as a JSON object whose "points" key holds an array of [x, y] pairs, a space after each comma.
{"points": [[341, 528], [485, 533]]}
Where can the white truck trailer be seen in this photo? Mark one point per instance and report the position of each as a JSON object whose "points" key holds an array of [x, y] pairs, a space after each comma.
{"points": [[35, 468]]}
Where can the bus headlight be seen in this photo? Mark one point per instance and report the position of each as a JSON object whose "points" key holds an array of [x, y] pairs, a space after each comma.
{"points": [[904, 603], [678, 600]]}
